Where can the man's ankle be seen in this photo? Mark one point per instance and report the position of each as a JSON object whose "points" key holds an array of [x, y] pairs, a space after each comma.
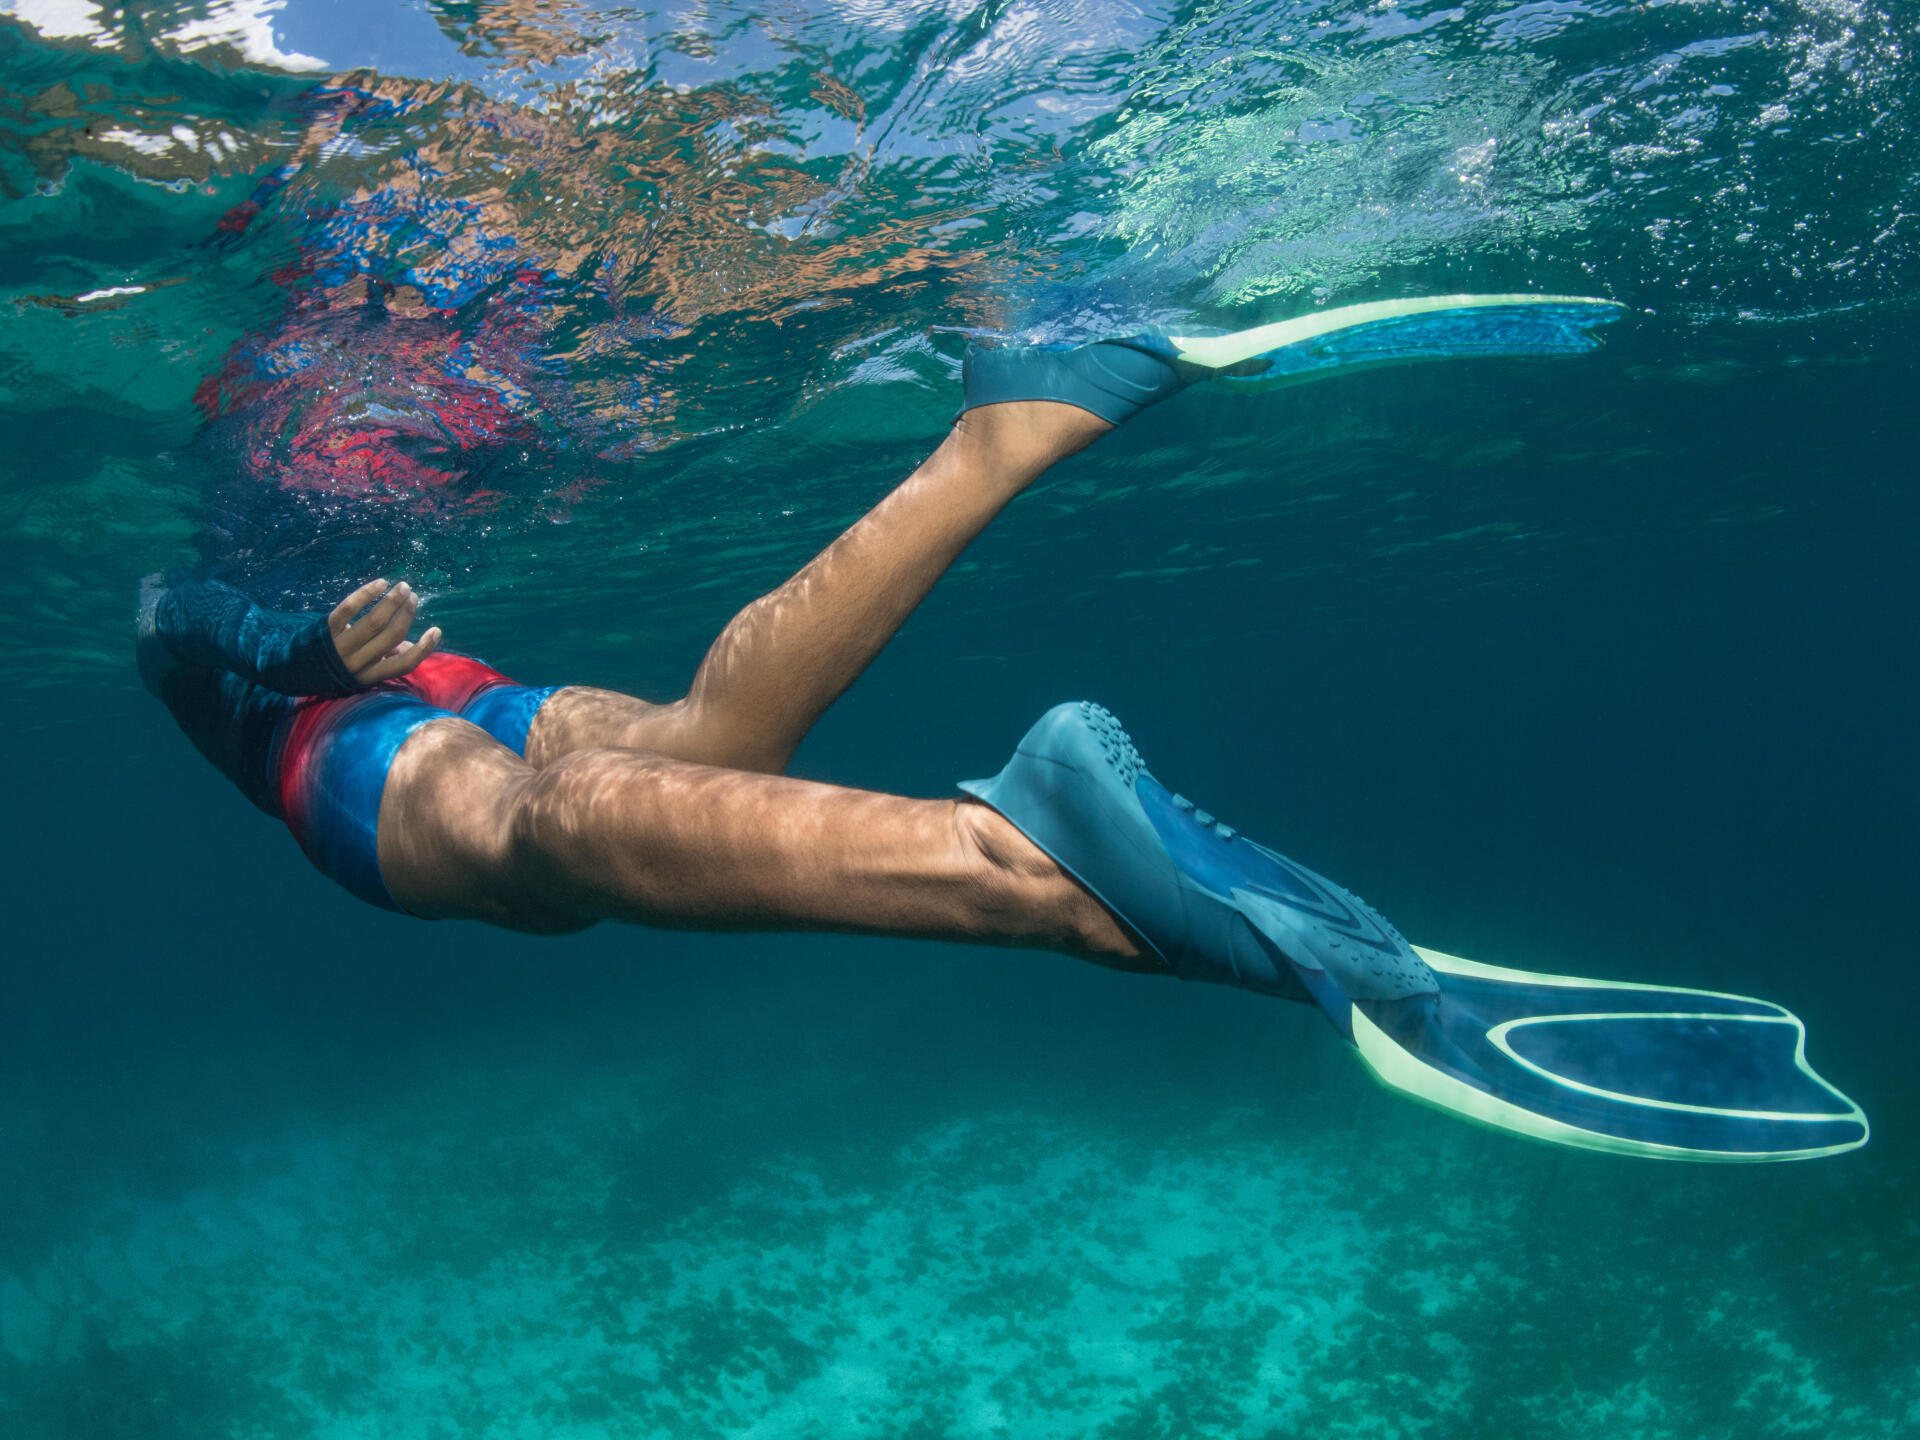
{"points": [[1076, 921], [1029, 435]]}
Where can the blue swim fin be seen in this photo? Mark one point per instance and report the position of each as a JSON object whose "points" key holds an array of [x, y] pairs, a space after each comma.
{"points": [[1117, 378], [1630, 1069]]}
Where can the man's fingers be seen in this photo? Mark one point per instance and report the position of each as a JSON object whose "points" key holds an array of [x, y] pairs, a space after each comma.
{"points": [[403, 660], [387, 638], [370, 629], [343, 613], [379, 630]]}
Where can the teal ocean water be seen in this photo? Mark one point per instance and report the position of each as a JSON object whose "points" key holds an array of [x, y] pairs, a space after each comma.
{"points": [[596, 323]]}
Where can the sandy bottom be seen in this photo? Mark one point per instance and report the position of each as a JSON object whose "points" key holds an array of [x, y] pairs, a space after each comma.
{"points": [[568, 1261]]}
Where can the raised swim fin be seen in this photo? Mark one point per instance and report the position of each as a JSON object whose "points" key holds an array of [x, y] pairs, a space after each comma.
{"points": [[1397, 332], [1117, 378], [1647, 1070]]}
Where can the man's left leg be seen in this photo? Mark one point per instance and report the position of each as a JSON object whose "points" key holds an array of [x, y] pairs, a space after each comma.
{"points": [[790, 654], [467, 829]]}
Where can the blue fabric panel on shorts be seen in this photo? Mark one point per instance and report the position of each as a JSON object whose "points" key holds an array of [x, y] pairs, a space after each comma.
{"points": [[506, 712], [347, 777]]}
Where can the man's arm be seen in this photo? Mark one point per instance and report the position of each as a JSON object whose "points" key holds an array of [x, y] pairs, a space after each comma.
{"points": [[230, 671], [360, 643]]}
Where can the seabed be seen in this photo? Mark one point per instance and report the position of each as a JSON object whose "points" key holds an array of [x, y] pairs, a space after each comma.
{"points": [[544, 1264]]}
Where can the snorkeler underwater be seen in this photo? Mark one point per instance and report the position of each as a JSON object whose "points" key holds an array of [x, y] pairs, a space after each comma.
{"points": [[570, 464]]}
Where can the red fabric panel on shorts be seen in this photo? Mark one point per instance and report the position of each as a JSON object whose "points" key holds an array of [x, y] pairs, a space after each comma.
{"points": [[448, 681], [303, 730]]}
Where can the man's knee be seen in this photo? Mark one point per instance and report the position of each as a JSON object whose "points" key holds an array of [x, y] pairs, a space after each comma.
{"points": [[563, 840]]}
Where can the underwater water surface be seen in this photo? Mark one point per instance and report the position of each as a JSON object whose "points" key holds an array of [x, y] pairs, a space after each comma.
{"points": [[595, 322]]}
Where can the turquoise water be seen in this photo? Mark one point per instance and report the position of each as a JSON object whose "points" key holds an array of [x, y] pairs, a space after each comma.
{"points": [[1602, 665]]}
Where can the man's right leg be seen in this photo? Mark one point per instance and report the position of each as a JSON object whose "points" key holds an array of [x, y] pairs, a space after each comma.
{"points": [[469, 830], [785, 658]]}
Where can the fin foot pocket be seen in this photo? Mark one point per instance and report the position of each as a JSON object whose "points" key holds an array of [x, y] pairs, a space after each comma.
{"points": [[1114, 379], [1210, 903]]}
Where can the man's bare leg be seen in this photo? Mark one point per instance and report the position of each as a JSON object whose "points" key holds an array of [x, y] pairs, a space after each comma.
{"points": [[469, 830], [788, 656], [630, 816]]}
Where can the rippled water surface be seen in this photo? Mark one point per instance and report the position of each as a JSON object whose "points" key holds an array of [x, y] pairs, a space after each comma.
{"points": [[595, 322]]}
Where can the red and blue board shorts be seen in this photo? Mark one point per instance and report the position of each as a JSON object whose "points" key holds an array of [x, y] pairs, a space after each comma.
{"points": [[331, 757]]}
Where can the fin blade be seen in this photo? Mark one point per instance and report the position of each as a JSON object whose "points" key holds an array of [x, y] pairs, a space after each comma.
{"points": [[1676, 1074], [1219, 352]]}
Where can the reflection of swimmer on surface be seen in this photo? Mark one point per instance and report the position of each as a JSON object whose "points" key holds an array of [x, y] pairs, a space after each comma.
{"points": [[429, 783], [474, 314], [409, 375]]}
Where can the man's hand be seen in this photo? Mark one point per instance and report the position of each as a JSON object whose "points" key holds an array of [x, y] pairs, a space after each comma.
{"points": [[374, 644]]}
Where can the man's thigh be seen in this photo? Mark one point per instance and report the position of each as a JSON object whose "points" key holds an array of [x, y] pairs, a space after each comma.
{"points": [[446, 820]]}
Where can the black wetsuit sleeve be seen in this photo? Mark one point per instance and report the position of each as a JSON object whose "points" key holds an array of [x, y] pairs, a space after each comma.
{"points": [[205, 623]]}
